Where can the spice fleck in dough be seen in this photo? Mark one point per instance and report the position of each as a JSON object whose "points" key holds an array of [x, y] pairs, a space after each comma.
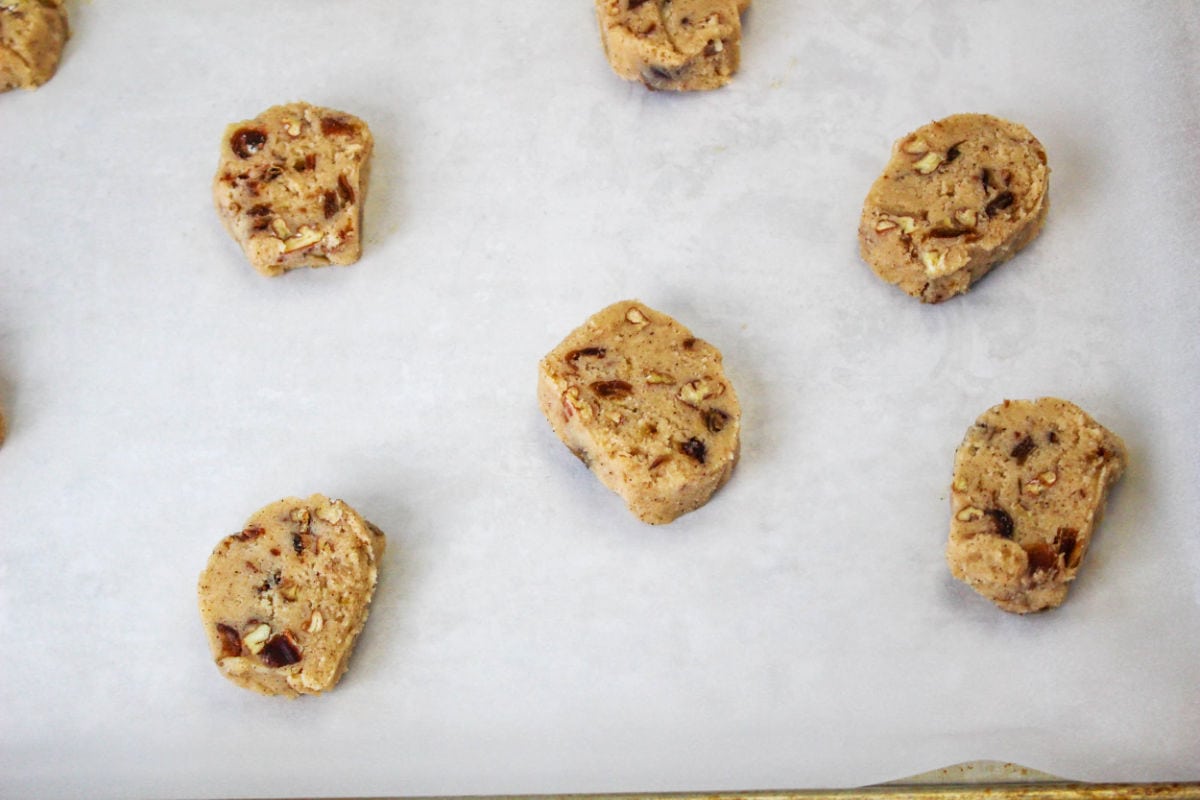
{"points": [[678, 45], [1030, 483], [957, 198], [32, 36], [646, 406], [289, 186], [284, 600]]}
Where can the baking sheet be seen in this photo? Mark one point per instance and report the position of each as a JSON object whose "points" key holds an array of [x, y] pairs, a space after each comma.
{"points": [[529, 635]]}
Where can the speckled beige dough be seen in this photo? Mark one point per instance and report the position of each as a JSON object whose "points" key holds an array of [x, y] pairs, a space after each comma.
{"points": [[1029, 488], [290, 184], [958, 197], [646, 406], [284, 600], [677, 45], [32, 36], [3, 426]]}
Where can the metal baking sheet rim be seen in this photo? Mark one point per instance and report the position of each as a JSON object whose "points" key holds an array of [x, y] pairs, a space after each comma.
{"points": [[971, 780]]}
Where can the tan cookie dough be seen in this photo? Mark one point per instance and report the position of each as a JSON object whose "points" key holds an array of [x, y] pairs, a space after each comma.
{"points": [[289, 186], [646, 406], [32, 36], [679, 45], [3, 426], [284, 600], [1030, 483], [957, 198]]}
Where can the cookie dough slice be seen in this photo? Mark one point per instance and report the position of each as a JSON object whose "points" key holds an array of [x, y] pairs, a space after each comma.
{"points": [[32, 36], [958, 197], [678, 45], [1030, 483], [646, 405], [284, 600], [289, 186]]}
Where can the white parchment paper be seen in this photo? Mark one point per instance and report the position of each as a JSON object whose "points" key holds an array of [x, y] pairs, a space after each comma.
{"points": [[528, 634]]}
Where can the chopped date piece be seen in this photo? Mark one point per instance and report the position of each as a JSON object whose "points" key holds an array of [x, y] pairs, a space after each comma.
{"points": [[612, 390], [335, 126], [715, 420], [1041, 557], [695, 448], [1066, 539], [1003, 522], [231, 641], [999, 203], [590, 352], [252, 532], [1022, 450], [280, 651], [247, 141], [344, 190], [329, 204]]}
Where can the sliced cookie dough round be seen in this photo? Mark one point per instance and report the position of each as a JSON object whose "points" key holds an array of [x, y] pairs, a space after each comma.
{"points": [[646, 406], [32, 36], [676, 45], [958, 197], [1030, 483], [284, 600], [290, 184]]}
